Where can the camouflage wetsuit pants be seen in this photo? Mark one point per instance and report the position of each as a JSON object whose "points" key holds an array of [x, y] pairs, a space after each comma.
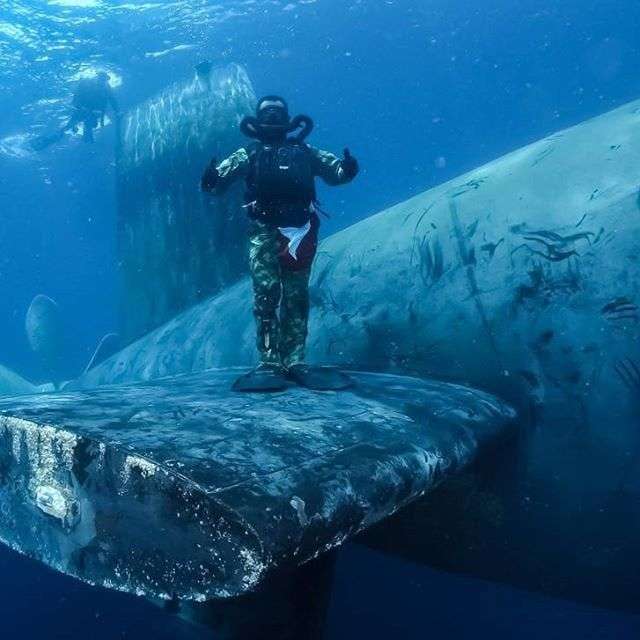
{"points": [[281, 299]]}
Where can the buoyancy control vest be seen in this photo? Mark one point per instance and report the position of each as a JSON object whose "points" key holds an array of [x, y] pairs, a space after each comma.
{"points": [[281, 183], [91, 96]]}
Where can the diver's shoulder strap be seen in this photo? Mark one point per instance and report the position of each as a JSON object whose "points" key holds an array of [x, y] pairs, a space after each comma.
{"points": [[253, 149]]}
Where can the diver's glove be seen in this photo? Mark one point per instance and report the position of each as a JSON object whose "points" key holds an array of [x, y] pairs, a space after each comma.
{"points": [[350, 167], [210, 177]]}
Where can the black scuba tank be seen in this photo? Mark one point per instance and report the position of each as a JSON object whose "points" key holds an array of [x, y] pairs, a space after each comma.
{"points": [[281, 182]]}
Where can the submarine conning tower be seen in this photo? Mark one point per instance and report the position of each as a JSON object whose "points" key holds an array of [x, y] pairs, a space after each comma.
{"points": [[177, 246]]}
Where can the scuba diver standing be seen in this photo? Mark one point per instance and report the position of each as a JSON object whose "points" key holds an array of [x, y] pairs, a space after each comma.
{"points": [[91, 100], [280, 169]]}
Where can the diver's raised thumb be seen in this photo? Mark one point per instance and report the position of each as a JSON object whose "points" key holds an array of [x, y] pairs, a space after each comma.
{"points": [[350, 166]]}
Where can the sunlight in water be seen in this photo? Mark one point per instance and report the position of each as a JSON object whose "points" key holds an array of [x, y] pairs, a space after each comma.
{"points": [[89, 4]]}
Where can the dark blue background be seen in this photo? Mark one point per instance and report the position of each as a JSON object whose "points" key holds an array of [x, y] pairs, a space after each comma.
{"points": [[376, 598], [402, 83]]}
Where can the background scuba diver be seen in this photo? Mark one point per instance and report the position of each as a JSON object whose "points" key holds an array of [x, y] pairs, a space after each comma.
{"points": [[280, 171], [91, 100]]}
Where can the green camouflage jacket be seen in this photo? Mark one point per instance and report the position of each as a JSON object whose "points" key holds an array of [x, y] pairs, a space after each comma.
{"points": [[327, 166]]}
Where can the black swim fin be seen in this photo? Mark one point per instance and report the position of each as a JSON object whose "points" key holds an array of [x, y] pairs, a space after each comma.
{"points": [[320, 378], [262, 379]]}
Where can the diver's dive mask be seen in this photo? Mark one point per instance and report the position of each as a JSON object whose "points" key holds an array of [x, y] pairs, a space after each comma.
{"points": [[272, 122], [273, 114]]}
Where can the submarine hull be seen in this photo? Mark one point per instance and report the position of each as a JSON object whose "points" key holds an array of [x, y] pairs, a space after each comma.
{"points": [[521, 278], [183, 489]]}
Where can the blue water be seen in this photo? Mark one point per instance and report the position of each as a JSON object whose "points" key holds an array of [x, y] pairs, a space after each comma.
{"points": [[419, 90], [375, 597]]}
